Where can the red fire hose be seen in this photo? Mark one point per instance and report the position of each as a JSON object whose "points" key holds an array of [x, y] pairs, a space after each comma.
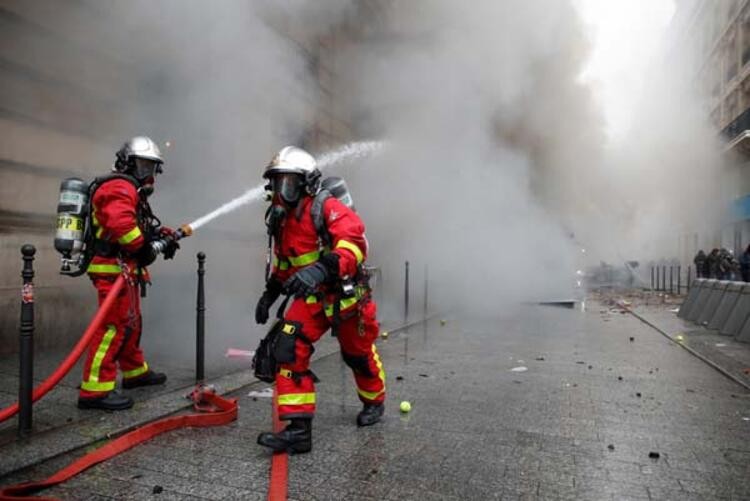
{"points": [[213, 410], [74, 355]]}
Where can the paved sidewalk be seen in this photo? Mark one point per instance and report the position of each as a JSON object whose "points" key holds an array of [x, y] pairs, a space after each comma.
{"points": [[578, 424]]}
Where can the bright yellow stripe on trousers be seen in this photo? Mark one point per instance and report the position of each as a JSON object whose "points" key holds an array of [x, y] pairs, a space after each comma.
{"points": [[93, 383], [136, 372], [372, 395], [297, 399]]}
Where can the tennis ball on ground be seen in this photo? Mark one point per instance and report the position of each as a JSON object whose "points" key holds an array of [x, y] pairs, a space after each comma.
{"points": [[405, 406], [679, 337]]}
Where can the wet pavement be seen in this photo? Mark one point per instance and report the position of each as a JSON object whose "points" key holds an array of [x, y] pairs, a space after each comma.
{"points": [[598, 398]]}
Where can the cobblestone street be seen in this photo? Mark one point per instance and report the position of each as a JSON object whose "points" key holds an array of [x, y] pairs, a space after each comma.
{"points": [[601, 394]]}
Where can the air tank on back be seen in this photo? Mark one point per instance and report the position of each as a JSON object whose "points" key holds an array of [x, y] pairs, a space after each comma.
{"points": [[338, 188], [71, 218]]}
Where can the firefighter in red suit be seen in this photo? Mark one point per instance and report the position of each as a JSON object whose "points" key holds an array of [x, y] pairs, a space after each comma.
{"points": [[325, 278], [125, 231]]}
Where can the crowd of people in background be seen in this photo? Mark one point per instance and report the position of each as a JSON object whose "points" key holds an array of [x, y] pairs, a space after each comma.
{"points": [[722, 265]]}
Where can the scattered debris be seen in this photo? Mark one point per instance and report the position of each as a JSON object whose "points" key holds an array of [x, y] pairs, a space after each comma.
{"points": [[746, 371], [654, 455], [650, 371], [611, 447], [679, 338], [674, 310], [443, 322], [632, 339], [158, 489], [541, 359], [517, 381], [384, 334], [690, 390], [399, 378], [720, 345], [424, 375], [519, 369], [136, 476], [580, 362], [746, 418], [619, 378], [591, 367], [264, 393], [638, 394]]}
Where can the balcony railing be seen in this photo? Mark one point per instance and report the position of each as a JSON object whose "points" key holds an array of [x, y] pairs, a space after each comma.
{"points": [[737, 126]]}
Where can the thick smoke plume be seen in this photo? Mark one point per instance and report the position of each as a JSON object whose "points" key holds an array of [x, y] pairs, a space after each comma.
{"points": [[495, 174]]}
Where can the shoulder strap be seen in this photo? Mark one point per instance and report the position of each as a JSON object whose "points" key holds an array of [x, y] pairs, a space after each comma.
{"points": [[97, 182], [319, 220]]}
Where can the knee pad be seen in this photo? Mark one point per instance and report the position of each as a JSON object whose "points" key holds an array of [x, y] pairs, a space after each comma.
{"points": [[358, 363], [285, 345]]}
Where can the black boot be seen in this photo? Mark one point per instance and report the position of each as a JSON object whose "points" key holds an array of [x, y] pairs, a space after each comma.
{"points": [[113, 401], [296, 437], [370, 414], [148, 378]]}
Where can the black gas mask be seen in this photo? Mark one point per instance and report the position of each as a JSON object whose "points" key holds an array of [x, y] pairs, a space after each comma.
{"points": [[288, 187], [145, 171]]}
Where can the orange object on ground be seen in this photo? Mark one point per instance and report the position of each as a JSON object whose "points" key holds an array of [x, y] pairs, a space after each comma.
{"points": [[213, 411], [79, 348]]}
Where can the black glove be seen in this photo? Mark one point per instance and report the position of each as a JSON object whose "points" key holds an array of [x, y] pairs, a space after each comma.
{"points": [[271, 294], [171, 248], [306, 280], [145, 255]]}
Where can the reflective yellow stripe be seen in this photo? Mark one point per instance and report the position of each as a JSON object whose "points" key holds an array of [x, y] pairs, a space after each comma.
{"points": [[103, 268], [107, 268], [130, 236], [136, 372], [345, 244], [312, 299], [379, 364], [297, 399], [93, 384], [304, 259], [99, 232], [286, 373], [106, 386], [372, 395], [280, 265], [344, 304]]}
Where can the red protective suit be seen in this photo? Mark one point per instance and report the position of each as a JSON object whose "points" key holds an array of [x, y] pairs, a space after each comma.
{"points": [[116, 205], [309, 318]]}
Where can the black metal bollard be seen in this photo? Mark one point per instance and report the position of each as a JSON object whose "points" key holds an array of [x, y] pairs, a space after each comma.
{"points": [[689, 277], [200, 323], [679, 279], [26, 351], [664, 277], [671, 279], [406, 293], [652, 278], [424, 313]]}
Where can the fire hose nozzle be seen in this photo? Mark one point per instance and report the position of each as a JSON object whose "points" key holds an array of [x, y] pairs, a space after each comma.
{"points": [[184, 231]]}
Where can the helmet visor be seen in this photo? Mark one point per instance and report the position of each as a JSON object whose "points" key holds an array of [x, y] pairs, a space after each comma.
{"points": [[146, 168], [287, 186]]}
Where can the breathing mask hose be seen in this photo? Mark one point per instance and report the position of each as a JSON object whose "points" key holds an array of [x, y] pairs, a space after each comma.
{"points": [[74, 355]]}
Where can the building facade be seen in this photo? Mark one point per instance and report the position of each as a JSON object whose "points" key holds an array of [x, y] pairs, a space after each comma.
{"points": [[714, 37]]}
